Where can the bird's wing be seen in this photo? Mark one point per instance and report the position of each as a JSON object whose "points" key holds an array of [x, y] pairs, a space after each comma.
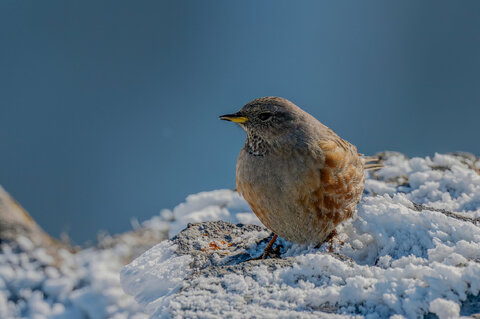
{"points": [[342, 170], [336, 183]]}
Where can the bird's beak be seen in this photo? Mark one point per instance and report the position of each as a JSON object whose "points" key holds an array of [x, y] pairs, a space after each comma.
{"points": [[236, 118]]}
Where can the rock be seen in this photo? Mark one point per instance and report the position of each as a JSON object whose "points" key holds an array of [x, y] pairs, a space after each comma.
{"points": [[416, 239], [220, 248], [38, 273], [216, 255], [413, 245], [21, 231], [17, 226]]}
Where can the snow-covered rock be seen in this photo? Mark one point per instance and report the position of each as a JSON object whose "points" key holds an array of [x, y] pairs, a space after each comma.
{"points": [[412, 250], [41, 278]]}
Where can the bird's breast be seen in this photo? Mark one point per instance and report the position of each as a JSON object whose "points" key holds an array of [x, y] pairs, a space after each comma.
{"points": [[271, 174], [270, 186]]}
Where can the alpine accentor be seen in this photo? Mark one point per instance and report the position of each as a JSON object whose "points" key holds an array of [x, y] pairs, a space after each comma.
{"points": [[298, 176]]}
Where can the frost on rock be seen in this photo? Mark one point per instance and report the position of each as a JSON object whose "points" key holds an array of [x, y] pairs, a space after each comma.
{"points": [[85, 285], [53, 281], [412, 250], [445, 309]]}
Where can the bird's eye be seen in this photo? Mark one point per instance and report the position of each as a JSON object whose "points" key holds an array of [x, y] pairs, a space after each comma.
{"points": [[265, 116]]}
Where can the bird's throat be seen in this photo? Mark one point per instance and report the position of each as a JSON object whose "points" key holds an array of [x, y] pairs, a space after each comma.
{"points": [[256, 146]]}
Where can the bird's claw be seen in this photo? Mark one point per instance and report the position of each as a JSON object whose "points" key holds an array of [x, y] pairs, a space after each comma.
{"points": [[269, 251]]}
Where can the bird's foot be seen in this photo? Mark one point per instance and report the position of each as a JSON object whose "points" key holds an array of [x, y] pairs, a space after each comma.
{"points": [[269, 251], [331, 239]]}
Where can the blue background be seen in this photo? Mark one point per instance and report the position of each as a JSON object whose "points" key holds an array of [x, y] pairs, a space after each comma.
{"points": [[108, 109]]}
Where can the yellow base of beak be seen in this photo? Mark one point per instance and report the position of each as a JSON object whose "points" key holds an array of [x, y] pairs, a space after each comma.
{"points": [[237, 119]]}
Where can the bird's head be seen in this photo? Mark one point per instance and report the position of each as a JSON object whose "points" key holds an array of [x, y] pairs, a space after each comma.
{"points": [[267, 117]]}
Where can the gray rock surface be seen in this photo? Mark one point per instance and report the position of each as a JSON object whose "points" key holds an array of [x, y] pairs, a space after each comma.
{"points": [[217, 250], [223, 248], [220, 248]]}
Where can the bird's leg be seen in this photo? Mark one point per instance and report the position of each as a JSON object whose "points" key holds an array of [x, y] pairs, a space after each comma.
{"points": [[340, 241], [269, 246], [331, 238], [268, 249]]}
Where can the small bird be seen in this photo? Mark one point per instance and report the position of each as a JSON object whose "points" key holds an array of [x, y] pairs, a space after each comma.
{"points": [[298, 176]]}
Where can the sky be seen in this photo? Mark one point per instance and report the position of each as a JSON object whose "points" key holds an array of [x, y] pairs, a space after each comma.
{"points": [[109, 109]]}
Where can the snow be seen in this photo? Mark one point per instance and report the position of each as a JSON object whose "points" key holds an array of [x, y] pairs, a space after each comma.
{"points": [[87, 285], [399, 261], [404, 262], [445, 309], [161, 272]]}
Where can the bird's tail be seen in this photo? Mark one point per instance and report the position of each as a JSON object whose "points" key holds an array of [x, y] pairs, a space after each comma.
{"points": [[372, 163]]}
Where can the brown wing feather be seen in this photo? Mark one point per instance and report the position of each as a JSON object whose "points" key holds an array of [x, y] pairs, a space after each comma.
{"points": [[341, 176]]}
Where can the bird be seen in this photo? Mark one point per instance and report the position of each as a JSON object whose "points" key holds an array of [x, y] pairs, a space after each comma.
{"points": [[298, 176]]}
